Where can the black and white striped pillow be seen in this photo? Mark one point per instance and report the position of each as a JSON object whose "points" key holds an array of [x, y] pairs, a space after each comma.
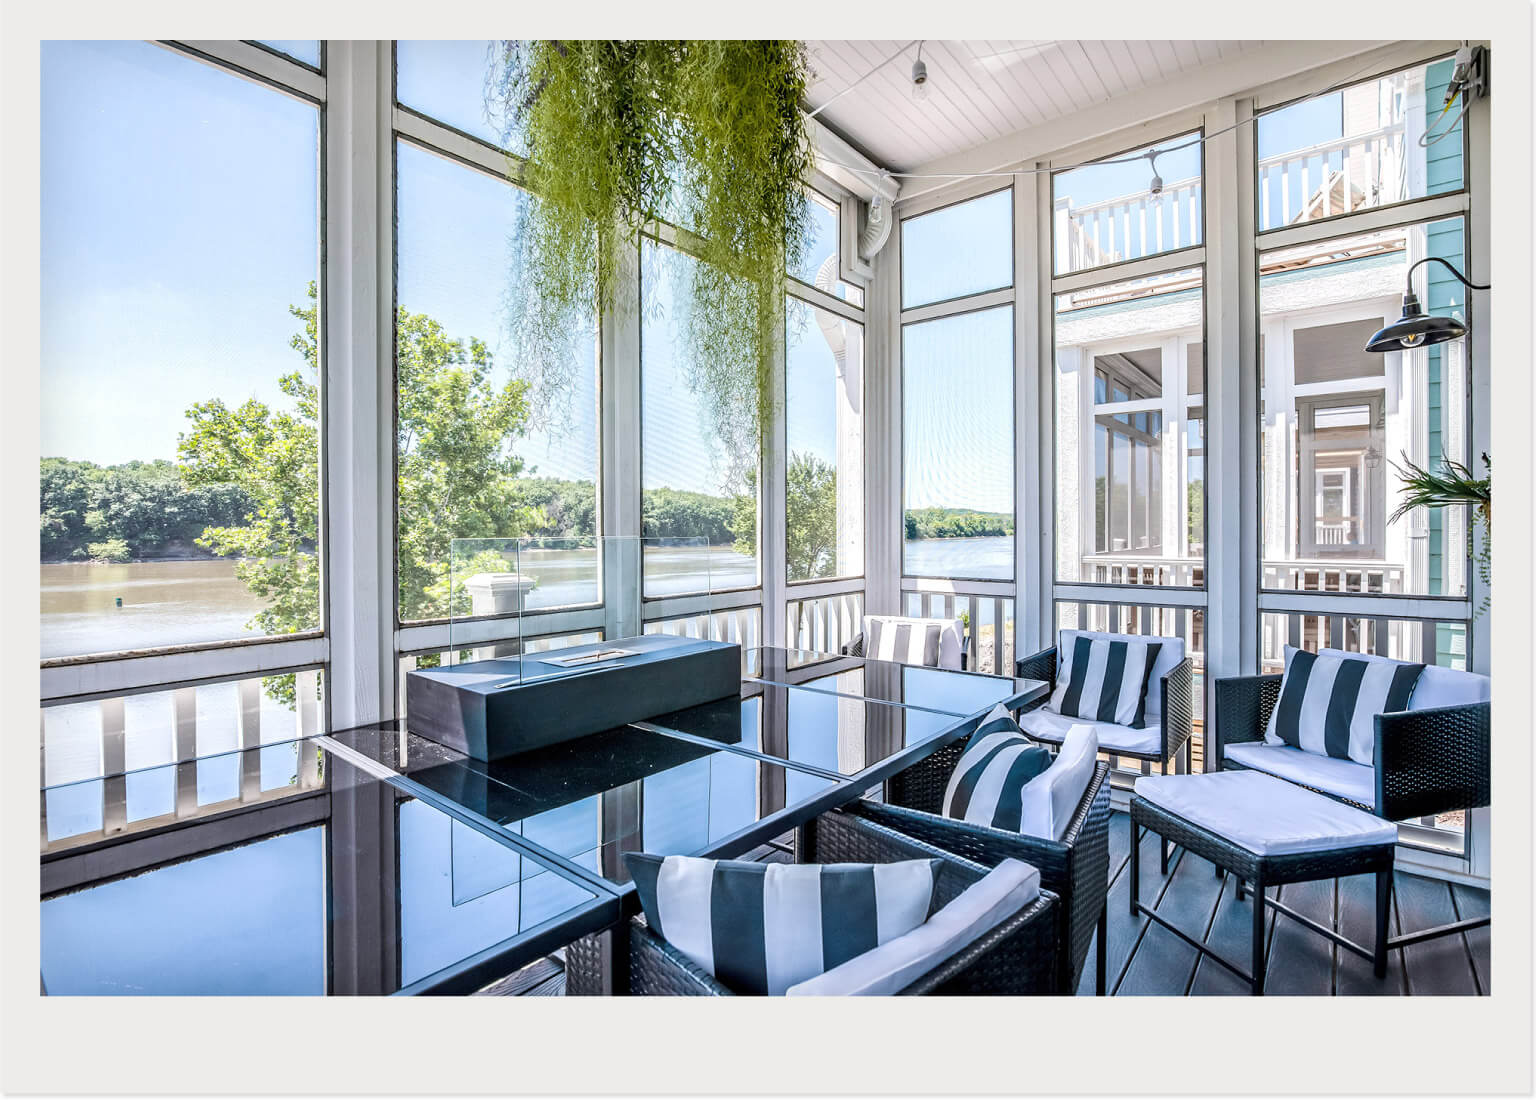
{"points": [[763, 927], [987, 785], [1105, 680], [909, 641], [1328, 704]]}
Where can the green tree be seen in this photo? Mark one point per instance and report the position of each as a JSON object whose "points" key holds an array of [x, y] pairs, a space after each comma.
{"points": [[810, 512], [457, 471], [677, 513], [455, 463], [112, 550]]}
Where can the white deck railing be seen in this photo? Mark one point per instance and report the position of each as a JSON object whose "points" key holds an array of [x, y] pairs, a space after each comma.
{"points": [[1333, 177], [1318, 181], [1299, 575]]}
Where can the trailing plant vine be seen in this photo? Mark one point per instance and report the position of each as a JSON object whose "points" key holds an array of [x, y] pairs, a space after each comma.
{"points": [[1453, 483], [706, 135]]}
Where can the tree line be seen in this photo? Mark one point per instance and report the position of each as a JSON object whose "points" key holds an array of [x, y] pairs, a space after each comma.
{"points": [[142, 511], [128, 512], [956, 523]]}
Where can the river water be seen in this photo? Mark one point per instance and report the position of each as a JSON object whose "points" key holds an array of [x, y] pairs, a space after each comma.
{"points": [[90, 608]]}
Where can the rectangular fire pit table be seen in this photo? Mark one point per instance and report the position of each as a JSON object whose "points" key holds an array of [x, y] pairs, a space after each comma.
{"points": [[1267, 832]]}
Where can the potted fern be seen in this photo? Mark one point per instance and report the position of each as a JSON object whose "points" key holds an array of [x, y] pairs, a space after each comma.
{"points": [[1452, 483]]}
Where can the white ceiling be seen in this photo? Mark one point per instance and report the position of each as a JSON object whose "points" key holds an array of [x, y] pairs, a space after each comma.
{"points": [[983, 90]]}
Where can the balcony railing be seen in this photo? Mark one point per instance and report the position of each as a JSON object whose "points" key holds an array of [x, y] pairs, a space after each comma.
{"points": [[1143, 569], [1369, 576], [1342, 575], [1331, 177]]}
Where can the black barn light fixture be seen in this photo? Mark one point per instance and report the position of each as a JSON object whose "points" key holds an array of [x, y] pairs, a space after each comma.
{"points": [[1415, 328]]}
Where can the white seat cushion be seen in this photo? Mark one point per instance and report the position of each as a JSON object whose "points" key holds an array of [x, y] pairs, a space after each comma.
{"points": [[1047, 725], [896, 964], [1265, 815], [1171, 653], [1343, 778]]}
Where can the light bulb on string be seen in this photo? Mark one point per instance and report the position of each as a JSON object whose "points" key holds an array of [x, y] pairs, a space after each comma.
{"points": [[919, 77]]}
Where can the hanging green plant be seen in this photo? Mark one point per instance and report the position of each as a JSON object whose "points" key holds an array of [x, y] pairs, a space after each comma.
{"points": [[707, 135], [1452, 483]]}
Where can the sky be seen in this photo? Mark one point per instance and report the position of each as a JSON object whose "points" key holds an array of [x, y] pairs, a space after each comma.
{"points": [[179, 223]]}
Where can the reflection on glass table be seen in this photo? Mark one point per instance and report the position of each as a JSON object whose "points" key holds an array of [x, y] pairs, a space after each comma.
{"points": [[354, 888], [590, 800], [913, 686], [103, 807], [838, 735]]}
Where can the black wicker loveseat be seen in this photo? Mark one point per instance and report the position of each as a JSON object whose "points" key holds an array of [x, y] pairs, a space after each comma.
{"points": [[1426, 760]]}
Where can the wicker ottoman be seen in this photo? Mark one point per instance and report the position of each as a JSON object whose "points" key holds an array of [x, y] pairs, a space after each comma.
{"points": [[1268, 832]]}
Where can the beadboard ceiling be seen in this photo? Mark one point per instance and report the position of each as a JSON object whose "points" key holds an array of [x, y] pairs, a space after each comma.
{"points": [[983, 90]]}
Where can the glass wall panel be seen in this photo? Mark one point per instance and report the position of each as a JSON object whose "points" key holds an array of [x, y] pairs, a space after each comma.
{"points": [[957, 250], [699, 462], [1381, 141], [1116, 209], [300, 49], [819, 266], [824, 430], [1338, 421], [481, 451], [180, 408], [957, 444], [455, 82], [1130, 455]]}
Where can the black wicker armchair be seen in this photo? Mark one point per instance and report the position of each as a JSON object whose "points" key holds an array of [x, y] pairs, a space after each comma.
{"points": [[1018, 957], [1425, 762], [1176, 693], [1074, 868]]}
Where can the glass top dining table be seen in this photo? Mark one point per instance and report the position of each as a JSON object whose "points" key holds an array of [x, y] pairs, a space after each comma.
{"points": [[399, 865]]}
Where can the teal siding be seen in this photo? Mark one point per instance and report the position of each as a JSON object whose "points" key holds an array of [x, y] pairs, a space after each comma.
{"points": [[1443, 170]]}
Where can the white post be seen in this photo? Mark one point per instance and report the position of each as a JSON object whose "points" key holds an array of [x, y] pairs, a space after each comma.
{"points": [[358, 527], [114, 761], [1231, 552], [619, 493], [1032, 560], [184, 710], [249, 727]]}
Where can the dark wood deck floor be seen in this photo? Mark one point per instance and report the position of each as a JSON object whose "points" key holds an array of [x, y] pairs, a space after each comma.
{"points": [[1147, 960]]}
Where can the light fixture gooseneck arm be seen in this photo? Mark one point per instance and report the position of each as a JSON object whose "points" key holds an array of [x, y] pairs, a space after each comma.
{"points": [[1466, 282]]}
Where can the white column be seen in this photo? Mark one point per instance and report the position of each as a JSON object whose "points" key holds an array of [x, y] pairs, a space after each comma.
{"points": [[357, 471], [771, 549], [1032, 488], [619, 488], [882, 430], [1231, 552]]}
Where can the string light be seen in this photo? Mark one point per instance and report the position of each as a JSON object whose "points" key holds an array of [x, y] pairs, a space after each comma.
{"points": [[1129, 158]]}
